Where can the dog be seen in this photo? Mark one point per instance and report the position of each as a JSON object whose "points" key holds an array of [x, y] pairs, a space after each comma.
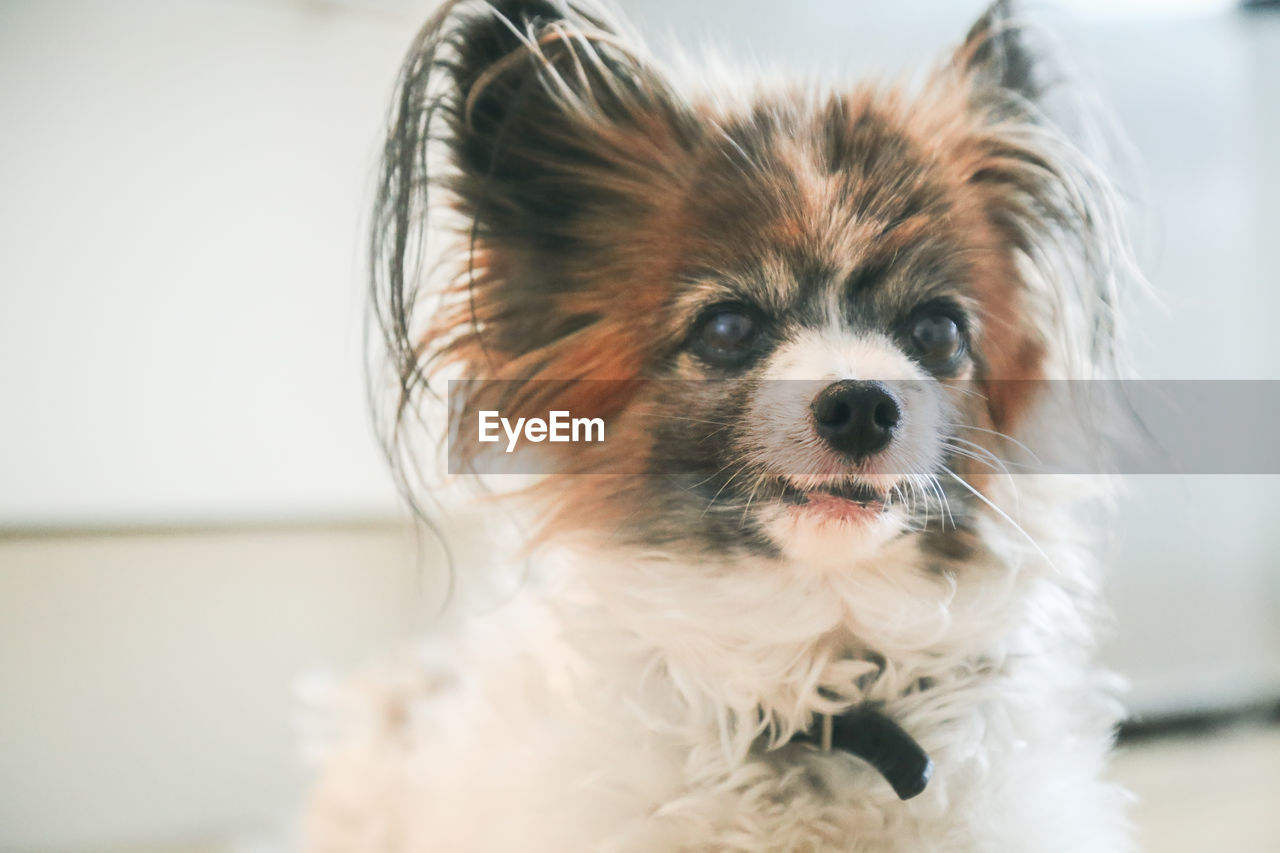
{"points": [[793, 600]]}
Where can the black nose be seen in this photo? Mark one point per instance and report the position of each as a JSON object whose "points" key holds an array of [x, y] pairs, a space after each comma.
{"points": [[857, 418]]}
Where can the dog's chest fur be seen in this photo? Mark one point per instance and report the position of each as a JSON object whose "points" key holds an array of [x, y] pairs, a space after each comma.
{"points": [[625, 703]]}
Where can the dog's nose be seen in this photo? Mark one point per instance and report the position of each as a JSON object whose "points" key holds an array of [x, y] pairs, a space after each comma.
{"points": [[857, 418]]}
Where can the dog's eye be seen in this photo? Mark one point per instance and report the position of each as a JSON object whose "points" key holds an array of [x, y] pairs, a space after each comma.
{"points": [[936, 337], [724, 334]]}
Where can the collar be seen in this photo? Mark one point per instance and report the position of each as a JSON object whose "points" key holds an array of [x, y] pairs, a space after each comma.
{"points": [[879, 741]]}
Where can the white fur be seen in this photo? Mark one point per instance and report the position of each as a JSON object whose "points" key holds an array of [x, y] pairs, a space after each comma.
{"points": [[612, 704]]}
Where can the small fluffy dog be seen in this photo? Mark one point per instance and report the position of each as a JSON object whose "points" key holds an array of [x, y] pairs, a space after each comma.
{"points": [[793, 601]]}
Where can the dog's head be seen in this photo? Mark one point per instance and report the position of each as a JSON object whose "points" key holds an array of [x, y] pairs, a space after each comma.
{"points": [[808, 318]]}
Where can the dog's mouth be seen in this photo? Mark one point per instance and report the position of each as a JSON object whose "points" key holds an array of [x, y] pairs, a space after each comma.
{"points": [[847, 500]]}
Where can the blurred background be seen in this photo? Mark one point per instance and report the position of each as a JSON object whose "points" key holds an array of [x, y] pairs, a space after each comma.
{"points": [[193, 512]]}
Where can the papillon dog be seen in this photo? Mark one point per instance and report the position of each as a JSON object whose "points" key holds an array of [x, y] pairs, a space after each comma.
{"points": [[787, 596]]}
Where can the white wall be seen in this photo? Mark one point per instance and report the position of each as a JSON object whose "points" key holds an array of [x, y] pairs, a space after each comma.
{"points": [[180, 271], [1196, 580]]}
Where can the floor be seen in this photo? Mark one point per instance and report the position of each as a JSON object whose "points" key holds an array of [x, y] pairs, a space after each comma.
{"points": [[1206, 794], [1219, 794]]}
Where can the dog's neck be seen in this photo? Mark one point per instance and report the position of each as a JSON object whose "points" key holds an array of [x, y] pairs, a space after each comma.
{"points": [[746, 647]]}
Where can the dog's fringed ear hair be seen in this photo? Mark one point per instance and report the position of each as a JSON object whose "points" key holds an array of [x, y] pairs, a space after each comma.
{"points": [[997, 58], [540, 87]]}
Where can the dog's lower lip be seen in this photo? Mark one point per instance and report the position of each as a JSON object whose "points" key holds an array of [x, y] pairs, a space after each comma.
{"points": [[848, 491]]}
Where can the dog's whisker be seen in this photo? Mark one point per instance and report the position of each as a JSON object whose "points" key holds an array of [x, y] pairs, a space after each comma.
{"points": [[721, 424], [998, 511], [997, 434]]}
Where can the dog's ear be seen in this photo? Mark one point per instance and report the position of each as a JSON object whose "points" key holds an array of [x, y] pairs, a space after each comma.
{"points": [[563, 145], [997, 60], [554, 160], [1052, 208], [1000, 86], [544, 89]]}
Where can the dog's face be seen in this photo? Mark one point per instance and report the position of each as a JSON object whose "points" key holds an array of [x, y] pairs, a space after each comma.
{"points": [[799, 314], [829, 334]]}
